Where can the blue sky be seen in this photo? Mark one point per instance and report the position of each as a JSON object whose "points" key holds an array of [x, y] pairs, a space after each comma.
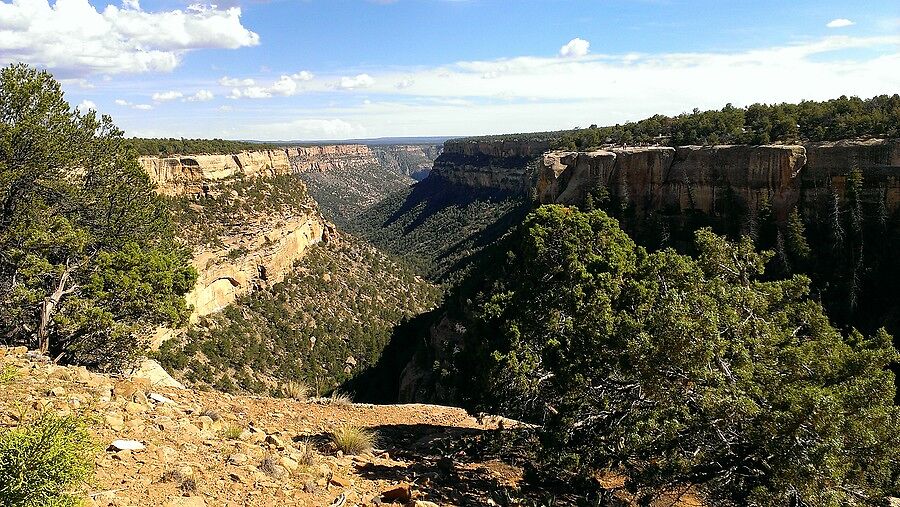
{"points": [[326, 69]]}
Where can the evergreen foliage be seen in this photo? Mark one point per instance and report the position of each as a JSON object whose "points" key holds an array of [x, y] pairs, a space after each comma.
{"points": [[678, 371], [172, 146], [807, 121], [87, 254]]}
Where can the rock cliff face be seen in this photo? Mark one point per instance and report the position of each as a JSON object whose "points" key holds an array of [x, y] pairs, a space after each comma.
{"points": [[259, 255], [193, 174], [503, 166], [674, 180], [330, 158], [414, 160]]}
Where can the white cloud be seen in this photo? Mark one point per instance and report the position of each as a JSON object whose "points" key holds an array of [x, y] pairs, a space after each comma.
{"points": [[311, 128], [575, 48], [543, 93], [142, 107], [167, 96], [121, 102], [359, 81], [201, 96], [85, 105], [403, 84], [226, 108], [840, 23], [228, 81], [284, 86], [72, 38]]}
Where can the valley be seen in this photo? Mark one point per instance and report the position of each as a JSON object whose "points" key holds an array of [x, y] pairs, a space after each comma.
{"points": [[601, 316]]}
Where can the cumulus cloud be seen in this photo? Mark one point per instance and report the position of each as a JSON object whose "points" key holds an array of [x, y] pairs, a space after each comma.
{"points": [[285, 86], [228, 81], [358, 81], [86, 105], [839, 23], [312, 128], [73, 38], [201, 96], [167, 96], [575, 48], [404, 83]]}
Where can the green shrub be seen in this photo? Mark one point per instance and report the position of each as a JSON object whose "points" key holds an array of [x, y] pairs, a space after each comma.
{"points": [[41, 462], [8, 374]]}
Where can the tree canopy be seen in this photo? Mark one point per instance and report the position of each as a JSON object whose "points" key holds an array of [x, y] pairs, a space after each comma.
{"points": [[677, 370], [87, 255]]}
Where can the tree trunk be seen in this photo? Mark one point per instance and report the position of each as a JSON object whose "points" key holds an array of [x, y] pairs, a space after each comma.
{"points": [[49, 306]]}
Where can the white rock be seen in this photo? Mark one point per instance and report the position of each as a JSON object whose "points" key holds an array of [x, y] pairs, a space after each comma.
{"points": [[126, 445], [160, 398]]}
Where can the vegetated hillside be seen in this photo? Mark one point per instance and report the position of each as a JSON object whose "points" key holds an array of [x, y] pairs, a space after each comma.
{"points": [[807, 121], [681, 373], [438, 228], [234, 203], [182, 146], [343, 195], [328, 320]]}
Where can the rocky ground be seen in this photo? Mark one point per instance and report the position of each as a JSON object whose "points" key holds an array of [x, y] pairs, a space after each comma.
{"points": [[209, 448]]}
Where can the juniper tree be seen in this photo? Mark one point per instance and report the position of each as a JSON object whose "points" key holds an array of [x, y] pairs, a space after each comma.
{"points": [[87, 255]]}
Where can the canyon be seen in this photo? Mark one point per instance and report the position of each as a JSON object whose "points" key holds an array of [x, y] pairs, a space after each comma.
{"points": [[260, 250]]}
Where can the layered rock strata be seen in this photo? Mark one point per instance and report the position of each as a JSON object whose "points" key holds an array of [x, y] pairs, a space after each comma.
{"points": [[688, 178], [193, 174]]}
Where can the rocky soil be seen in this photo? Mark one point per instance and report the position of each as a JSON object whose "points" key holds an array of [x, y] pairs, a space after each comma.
{"points": [[172, 447]]}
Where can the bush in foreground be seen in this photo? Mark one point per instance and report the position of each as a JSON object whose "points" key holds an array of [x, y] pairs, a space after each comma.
{"points": [[353, 440], [43, 461], [679, 371]]}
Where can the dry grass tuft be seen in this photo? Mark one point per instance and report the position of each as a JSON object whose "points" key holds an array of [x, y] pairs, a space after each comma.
{"points": [[353, 440], [340, 399], [307, 453], [232, 432], [211, 413], [295, 390], [270, 466]]}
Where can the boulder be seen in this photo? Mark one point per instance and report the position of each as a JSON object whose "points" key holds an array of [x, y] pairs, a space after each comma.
{"points": [[151, 371]]}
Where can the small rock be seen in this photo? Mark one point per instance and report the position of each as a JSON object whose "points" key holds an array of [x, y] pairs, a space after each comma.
{"points": [[238, 458], [289, 463], [158, 398], [276, 441], [422, 503], [134, 408], [187, 501], [401, 493], [115, 422], [57, 391], [126, 445], [205, 423]]}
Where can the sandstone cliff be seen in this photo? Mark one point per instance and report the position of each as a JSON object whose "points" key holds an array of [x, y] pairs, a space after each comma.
{"points": [[192, 174], [696, 178], [330, 158], [413, 160], [259, 254]]}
